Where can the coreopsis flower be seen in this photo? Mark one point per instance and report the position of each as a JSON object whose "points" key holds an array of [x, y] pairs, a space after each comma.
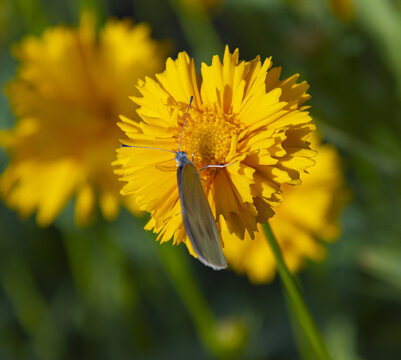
{"points": [[309, 213], [70, 88], [241, 115]]}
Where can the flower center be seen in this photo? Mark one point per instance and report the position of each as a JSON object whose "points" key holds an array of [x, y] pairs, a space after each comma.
{"points": [[208, 136]]}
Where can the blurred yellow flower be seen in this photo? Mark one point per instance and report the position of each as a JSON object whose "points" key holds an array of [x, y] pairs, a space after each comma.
{"points": [[241, 114], [70, 87], [309, 213]]}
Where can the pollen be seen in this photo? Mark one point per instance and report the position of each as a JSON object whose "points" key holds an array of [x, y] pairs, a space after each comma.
{"points": [[208, 136]]}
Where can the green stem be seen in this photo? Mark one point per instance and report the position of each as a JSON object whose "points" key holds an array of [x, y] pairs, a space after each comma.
{"points": [[198, 29], [296, 301], [382, 20], [97, 7], [32, 15], [304, 349], [30, 307], [182, 279]]}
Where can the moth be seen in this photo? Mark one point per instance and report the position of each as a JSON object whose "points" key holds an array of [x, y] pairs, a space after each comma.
{"points": [[197, 216]]}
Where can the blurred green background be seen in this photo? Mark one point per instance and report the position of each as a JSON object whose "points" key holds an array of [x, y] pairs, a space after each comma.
{"points": [[111, 292]]}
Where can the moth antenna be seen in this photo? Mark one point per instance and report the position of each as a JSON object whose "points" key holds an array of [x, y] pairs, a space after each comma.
{"points": [[146, 147], [185, 119]]}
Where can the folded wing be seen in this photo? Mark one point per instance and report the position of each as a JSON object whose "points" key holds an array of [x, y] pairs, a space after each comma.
{"points": [[199, 221]]}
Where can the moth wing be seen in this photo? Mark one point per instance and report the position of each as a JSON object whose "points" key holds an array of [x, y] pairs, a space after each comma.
{"points": [[198, 218]]}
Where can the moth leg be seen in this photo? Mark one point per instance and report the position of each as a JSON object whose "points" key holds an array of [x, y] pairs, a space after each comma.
{"points": [[193, 155], [217, 166]]}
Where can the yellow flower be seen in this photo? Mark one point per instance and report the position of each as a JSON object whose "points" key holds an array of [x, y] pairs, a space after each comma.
{"points": [[70, 88], [309, 212], [241, 114]]}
